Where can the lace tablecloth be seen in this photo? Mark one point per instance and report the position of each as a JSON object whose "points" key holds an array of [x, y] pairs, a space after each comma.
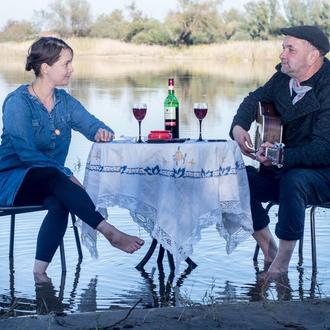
{"points": [[173, 190]]}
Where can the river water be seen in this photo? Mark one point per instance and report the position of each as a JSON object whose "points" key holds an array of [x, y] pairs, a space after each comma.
{"points": [[108, 88]]}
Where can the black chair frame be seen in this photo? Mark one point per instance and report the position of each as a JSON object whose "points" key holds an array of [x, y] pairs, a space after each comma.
{"points": [[301, 241], [13, 210]]}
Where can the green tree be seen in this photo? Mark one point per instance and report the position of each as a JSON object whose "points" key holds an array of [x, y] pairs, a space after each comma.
{"points": [[296, 12], [316, 12], [196, 21], [18, 31], [137, 22], [113, 25], [323, 18], [153, 33], [233, 21], [263, 19], [137, 28], [79, 17], [68, 17]]}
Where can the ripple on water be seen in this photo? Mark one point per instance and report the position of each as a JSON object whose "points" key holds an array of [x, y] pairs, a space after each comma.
{"points": [[111, 281]]}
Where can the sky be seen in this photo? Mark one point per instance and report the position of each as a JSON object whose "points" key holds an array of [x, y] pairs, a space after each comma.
{"points": [[19, 10]]}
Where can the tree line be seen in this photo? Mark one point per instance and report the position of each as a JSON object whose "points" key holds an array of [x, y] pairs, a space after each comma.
{"points": [[192, 22]]}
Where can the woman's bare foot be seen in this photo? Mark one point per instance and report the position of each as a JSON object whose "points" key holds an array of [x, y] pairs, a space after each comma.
{"points": [[39, 271], [40, 278], [118, 239]]}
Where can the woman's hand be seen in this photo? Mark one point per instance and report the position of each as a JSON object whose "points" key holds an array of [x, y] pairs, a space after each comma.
{"points": [[103, 135], [242, 137]]}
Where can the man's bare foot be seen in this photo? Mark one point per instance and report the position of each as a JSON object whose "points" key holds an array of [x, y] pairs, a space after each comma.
{"points": [[120, 240], [267, 265], [273, 273]]}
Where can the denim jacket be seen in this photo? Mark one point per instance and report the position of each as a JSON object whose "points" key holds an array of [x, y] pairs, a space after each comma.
{"points": [[33, 137]]}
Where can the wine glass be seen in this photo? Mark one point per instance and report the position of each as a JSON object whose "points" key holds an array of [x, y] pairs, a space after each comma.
{"points": [[139, 112], [200, 109]]}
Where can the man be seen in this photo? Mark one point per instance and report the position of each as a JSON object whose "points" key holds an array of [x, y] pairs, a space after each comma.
{"points": [[300, 92]]}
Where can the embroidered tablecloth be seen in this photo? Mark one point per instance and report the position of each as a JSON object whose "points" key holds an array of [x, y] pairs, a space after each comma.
{"points": [[173, 190]]}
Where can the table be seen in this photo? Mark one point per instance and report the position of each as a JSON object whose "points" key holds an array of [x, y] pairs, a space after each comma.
{"points": [[173, 190]]}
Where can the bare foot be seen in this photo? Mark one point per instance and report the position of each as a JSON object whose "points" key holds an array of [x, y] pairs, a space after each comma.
{"points": [[272, 273], [267, 265], [120, 240], [41, 278]]}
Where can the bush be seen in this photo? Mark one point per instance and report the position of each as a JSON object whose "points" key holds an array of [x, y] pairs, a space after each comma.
{"points": [[18, 31]]}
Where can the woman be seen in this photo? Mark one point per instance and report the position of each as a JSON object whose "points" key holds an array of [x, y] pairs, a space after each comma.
{"points": [[37, 123]]}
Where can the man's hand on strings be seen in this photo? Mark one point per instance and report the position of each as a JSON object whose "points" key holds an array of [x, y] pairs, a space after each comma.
{"points": [[242, 137]]}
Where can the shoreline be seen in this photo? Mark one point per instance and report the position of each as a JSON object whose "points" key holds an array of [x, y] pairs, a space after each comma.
{"points": [[306, 314], [237, 51]]}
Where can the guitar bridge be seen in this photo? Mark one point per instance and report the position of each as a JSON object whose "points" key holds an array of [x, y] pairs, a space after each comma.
{"points": [[275, 154]]}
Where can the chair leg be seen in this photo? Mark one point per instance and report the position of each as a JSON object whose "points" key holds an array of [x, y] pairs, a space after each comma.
{"points": [[300, 251], [313, 239], [63, 263], [12, 234], [256, 252], [76, 236], [171, 261]]}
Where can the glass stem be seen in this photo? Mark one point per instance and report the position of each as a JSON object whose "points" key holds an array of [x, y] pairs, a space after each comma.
{"points": [[200, 130], [139, 140]]}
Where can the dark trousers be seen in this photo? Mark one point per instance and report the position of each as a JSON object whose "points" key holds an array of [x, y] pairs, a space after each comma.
{"points": [[294, 190], [50, 187]]}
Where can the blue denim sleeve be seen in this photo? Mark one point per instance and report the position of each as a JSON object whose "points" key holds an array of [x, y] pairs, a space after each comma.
{"points": [[18, 127], [83, 121]]}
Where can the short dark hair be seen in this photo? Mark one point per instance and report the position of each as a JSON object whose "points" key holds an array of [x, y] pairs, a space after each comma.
{"points": [[45, 50]]}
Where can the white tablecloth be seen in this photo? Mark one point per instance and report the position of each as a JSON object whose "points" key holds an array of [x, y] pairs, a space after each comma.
{"points": [[173, 190]]}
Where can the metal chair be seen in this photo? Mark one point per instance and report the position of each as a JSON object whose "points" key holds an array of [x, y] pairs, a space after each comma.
{"points": [[13, 210], [301, 241]]}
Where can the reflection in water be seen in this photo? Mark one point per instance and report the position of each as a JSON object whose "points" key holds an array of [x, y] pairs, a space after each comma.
{"points": [[168, 290], [48, 299], [88, 297], [280, 289]]}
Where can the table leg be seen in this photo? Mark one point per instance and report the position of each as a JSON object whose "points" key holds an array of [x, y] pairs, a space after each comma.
{"points": [[190, 263], [150, 252], [148, 255], [160, 255], [171, 261]]}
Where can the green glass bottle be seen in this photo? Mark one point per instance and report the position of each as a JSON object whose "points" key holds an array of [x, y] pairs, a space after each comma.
{"points": [[171, 111]]}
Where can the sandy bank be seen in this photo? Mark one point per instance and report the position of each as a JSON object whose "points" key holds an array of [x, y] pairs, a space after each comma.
{"points": [[312, 314]]}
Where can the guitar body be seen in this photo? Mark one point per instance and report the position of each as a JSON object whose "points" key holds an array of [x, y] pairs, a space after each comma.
{"points": [[268, 125]]}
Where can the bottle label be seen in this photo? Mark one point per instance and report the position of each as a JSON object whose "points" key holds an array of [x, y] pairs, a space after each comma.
{"points": [[170, 113]]}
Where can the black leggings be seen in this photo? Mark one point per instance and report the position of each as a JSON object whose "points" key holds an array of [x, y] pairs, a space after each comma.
{"points": [[53, 189]]}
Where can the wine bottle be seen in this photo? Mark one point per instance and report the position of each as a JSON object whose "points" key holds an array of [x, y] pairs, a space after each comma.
{"points": [[171, 111]]}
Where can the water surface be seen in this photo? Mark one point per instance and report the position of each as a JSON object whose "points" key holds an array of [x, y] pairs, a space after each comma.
{"points": [[108, 89]]}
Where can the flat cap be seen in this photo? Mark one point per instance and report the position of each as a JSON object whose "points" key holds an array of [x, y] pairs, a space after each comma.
{"points": [[311, 33]]}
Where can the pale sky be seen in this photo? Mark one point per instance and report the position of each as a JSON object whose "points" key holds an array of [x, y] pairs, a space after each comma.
{"points": [[18, 9]]}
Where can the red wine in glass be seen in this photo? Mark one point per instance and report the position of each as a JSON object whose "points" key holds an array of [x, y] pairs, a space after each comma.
{"points": [[200, 110], [139, 112]]}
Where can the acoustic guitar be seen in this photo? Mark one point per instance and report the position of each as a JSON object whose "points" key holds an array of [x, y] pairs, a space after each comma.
{"points": [[268, 127]]}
